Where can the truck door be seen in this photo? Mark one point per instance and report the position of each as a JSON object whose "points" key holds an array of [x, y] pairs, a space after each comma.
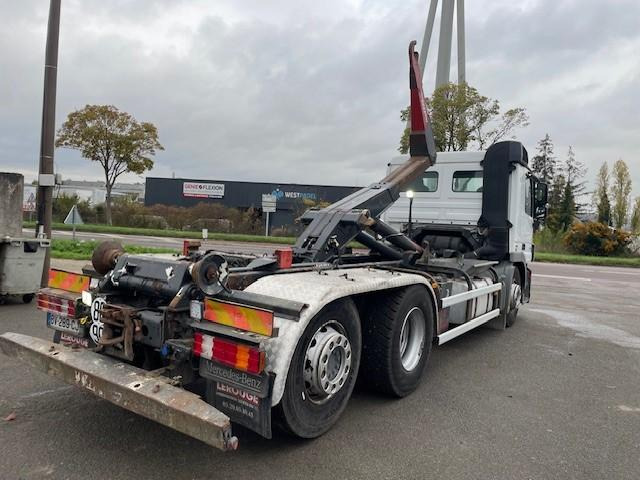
{"points": [[521, 212]]}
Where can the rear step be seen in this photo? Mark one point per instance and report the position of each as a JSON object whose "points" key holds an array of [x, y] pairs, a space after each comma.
{"points": [[126, 386]]}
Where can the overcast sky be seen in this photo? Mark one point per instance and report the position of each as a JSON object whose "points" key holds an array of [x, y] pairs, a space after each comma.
{"points": [[310, 92]]}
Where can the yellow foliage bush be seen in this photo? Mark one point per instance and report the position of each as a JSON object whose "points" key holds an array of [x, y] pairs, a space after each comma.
{"points": [[598, 239]]}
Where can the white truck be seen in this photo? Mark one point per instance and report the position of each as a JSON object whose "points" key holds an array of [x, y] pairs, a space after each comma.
{"points": [[199, 342]]}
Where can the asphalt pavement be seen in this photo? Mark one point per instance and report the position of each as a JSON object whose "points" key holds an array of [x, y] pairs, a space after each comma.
{"points": [[557, 396]]}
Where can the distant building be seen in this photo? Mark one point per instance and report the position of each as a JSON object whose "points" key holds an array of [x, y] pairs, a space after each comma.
{"points": [[96, 192], [181, 192]]}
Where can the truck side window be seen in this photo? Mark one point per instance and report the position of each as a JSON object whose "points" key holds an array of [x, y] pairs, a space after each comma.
{"points": [[467, 181], [427, 183], [528, 203]]}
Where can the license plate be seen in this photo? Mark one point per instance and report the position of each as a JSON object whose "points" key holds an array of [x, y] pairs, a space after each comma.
{"points": [[66, 338], [62, 323]]}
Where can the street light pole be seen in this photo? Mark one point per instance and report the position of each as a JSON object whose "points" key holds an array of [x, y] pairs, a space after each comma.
{"points": [[46, 179], [410, 197]]}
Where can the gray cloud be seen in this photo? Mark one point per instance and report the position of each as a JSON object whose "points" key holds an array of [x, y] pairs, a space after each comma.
{"points": [[309, 91]]}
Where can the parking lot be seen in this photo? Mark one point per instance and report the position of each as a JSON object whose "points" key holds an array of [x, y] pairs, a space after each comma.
{"points": [[555, 397]]}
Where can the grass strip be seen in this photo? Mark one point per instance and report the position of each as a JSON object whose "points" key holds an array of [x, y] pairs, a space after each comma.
{"points": [[633, 262], [156, 232], [82, 250]]}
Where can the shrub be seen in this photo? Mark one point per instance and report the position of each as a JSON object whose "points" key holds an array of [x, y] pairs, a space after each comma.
{"points": [[548, 240], [63, 203], [128, 212], [594, 238]]}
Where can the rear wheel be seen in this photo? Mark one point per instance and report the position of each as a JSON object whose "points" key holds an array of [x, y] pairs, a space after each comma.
{"points": [[397, 338], [515, 298], [28, 298], [323, 371]]}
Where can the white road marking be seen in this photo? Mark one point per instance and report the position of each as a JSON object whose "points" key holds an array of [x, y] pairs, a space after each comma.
{"points": [[46, 392], [562, 277], [588, 328], [624, 408], [615, 272]]}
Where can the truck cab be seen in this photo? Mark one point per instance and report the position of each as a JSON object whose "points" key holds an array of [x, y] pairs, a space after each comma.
{"points": [[450, 195]]}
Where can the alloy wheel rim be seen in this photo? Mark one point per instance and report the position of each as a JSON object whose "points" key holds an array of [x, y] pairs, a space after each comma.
{"points": [[327, 362], [412, 338]]}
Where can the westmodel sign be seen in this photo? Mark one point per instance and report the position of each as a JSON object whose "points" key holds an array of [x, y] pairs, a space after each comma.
{"points": [[203, 190]]}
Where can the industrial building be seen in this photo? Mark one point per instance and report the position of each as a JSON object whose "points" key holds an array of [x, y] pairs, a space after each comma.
{"points": [[181, 192]]}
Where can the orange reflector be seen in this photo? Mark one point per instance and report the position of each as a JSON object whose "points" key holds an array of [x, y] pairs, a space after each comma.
{"points": [[238, 316], [71, 282]]}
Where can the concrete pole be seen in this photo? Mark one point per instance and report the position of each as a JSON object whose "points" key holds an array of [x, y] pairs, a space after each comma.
{"points": [[444, 43], [47, 134], [426, 40], [462, 61]]}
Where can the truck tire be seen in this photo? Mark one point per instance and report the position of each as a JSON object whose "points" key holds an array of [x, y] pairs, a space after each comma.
{"points": [[323, 372], [515, 297], [105, 255], [397, 339]]}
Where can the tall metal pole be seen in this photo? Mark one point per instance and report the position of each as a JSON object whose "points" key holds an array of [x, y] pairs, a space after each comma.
{"points": [[462, 61], [46, 179], [444, 43], [266, 226]]}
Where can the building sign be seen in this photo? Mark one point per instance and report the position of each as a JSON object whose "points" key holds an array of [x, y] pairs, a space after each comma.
{"points": [[279, 194], [203, 190]]}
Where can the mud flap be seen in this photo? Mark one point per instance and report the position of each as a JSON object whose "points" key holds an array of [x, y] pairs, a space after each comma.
{"points": [[246, 398], [129, 387]]}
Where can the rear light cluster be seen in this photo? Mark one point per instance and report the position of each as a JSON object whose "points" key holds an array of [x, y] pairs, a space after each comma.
{"points": [[59, 305], [236, 355]]}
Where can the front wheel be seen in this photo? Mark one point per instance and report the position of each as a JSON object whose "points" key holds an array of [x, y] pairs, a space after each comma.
{"points": [[323, 371], [515, 298]]}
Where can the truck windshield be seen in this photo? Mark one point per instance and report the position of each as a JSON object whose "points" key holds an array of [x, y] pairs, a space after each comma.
{"points": [[427, 183], [467, 181]]}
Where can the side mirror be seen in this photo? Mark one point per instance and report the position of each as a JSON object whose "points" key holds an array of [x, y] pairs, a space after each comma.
{"points": [[540, 194]]}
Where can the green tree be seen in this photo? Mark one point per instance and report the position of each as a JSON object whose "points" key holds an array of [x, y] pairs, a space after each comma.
{"points": [[620, 193], [114, 139], [635, 217], [460, 116], [555, 200], [566, 188], [567, 211], [544, 164], [509, 121], [601, 195], [574, 171]]}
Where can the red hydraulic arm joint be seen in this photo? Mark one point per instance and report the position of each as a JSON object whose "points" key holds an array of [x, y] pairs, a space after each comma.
{"points": [[421, 141]]}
